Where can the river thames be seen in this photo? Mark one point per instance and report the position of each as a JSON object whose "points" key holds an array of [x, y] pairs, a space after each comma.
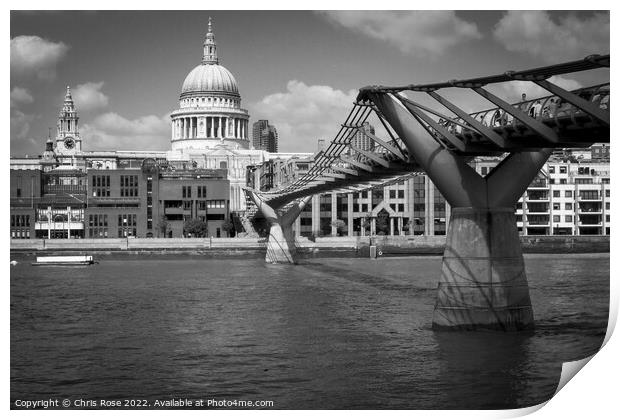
{"points": [[328, 333]]}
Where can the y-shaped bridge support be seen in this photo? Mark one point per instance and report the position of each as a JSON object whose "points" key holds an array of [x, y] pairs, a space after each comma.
{"points": [[281, 247], [483, 283]]}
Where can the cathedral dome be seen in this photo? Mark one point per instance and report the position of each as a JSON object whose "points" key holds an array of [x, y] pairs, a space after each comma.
{"points": [[209, 78]]}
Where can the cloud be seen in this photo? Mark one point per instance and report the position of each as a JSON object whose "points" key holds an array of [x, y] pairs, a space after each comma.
{"points": [[88, 96], [419, 33], [570, 38], [20, 124], [20, 96], [35, 56], [303, 114], [111, 131]]}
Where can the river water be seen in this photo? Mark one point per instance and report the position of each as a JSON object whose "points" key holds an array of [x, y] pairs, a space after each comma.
{"points": [[329, 333]]}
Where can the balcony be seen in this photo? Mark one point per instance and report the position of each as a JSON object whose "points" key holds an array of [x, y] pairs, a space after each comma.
{"points": [[537, 197], [538, 208], [590, 210], [43, 225], [173, 210], [589, 198], [590, 224], [538, 184]]}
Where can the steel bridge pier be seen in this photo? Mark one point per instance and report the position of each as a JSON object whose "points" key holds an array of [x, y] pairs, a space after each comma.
{"points": [[281, 248], [483, 285]]}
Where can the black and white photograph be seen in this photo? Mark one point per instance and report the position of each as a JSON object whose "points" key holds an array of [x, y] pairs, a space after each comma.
{"points": [[307, 209]]}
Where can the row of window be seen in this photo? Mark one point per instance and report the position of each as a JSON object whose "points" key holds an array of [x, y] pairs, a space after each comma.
{"points": [[97, 220], [129, 185], [201, 191], [20, 220], [20, 233]]}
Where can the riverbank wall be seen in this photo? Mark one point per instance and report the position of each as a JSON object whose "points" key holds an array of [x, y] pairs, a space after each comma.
{"points": [[326, 246]]}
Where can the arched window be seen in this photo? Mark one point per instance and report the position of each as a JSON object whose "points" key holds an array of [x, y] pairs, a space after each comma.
{"points": [[223, 165]]}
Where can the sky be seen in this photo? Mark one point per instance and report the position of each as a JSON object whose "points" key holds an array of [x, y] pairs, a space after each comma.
{"points": [[301, 70]]}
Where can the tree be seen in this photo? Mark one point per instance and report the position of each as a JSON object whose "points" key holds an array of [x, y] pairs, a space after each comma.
{"points": [[366, 221], [340, 226], [383, 223], [195, 227], [228, 227], [164, 226]]}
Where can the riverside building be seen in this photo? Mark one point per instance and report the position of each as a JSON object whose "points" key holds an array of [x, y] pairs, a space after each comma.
{"points": [[568, 197]]}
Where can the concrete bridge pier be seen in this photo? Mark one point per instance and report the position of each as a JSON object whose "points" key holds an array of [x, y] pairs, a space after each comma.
{"points": [[483, 285], [281, 248]]}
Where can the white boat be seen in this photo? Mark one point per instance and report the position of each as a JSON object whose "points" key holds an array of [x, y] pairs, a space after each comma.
{"points": [[65, 260]]}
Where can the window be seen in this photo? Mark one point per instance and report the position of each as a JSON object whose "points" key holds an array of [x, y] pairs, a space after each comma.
{"points": [[606, 206], [562, 169], [568, 206], [187, 205], [127, 225], [392, 194], [556, 206], [401, 193], [607, 218], [401, 207], [201, 191], [583, 181], [187, 191], [556, 219], [484, 170], [568, 194], [98, 225], [606, 193], [129, 185], [562, 180], [556, 193], [588, 194], [568, 219], [220, 204], [100, 185], [551, 169], [18, 192]]}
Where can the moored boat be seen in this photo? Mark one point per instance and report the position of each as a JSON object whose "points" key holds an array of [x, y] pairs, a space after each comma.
{"points": [[65, 260]]}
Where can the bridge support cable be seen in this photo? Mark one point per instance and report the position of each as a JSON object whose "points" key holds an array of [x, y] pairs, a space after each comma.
{"points": [[281, 247], [483, 283]]}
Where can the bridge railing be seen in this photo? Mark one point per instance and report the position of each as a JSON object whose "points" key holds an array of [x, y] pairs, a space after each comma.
{"points": [[544, 108]]}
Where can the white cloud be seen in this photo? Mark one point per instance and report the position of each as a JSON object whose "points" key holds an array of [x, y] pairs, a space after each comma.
{"points": [[88, 96], [303, 114], [424, 33], [111, 131], [20, 96], [32, 55], [570, 38]]}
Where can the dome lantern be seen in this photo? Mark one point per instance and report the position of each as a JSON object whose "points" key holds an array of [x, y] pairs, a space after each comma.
{"points": [[209, 55]]}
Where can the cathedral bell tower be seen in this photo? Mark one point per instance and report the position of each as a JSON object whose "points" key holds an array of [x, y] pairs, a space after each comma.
{"points": [[68, 140]]}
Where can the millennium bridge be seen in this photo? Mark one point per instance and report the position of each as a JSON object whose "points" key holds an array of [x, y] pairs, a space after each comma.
{"points": [[483, 283]]}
